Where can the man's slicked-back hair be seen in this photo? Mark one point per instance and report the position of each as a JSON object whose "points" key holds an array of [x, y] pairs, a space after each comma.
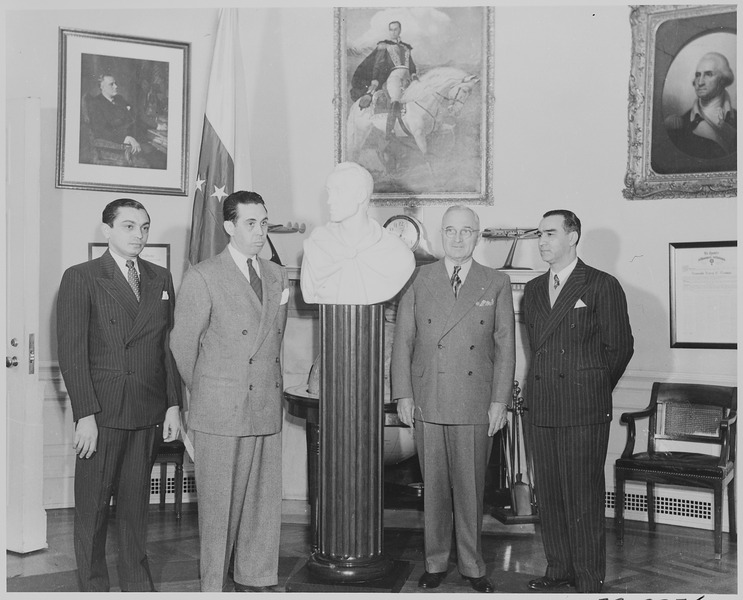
{"points": [[229, 206], [570, 222], [393, 23], [112, 209]]}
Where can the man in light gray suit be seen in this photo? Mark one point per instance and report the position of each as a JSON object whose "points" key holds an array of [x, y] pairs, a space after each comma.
{"points": [[452, 371], [229, 325]]}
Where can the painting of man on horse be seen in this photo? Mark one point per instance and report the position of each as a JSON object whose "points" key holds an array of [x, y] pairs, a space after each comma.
{"points": [[417, 125]]}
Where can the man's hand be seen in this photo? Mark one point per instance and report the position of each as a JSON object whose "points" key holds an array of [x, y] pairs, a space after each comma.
{"points": [[172, 424], [405, 409], [86, 437], [497, 416], [134, 144]]}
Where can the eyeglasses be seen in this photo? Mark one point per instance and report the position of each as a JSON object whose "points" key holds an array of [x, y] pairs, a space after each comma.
{"points": [[466, 233]]}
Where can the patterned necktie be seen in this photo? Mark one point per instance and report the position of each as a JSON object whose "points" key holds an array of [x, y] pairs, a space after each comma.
{"points": [[255, 281], [557, 282], [456, 282], [133, 278]]}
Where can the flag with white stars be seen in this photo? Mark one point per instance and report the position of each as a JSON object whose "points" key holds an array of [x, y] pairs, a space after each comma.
{"points": [[216, 174]]}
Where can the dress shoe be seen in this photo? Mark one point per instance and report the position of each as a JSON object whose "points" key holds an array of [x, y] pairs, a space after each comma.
{"points": [[481, 584], [431, 580], [239, 587], [550, 583]]}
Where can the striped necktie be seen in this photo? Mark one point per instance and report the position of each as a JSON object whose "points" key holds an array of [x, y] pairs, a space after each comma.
{"points": [[133, 278], [255, 281], [456, 282]]}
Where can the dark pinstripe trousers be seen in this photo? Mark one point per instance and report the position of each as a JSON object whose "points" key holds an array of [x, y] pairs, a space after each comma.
{"points": [[453, 460], [123, 462], [570, 488]]}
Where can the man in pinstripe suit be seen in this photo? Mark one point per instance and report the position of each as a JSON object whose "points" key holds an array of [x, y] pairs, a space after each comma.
{"points": [[113, 318], [452, 369], [581, 341]]}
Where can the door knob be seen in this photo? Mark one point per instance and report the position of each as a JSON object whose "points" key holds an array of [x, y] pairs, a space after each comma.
{"points": [[11, 362]]}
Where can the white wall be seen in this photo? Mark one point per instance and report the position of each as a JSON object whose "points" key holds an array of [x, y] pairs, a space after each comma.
{"points": [[560, 141]]}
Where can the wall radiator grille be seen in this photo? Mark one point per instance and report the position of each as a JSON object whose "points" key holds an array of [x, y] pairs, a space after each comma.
{"points": [[680, 508]]}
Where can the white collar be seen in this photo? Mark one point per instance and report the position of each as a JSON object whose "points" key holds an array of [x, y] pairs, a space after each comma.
{"points": [[565, 273]]}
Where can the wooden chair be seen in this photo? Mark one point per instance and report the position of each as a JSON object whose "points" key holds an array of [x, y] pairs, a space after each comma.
{"points": [[171, 452], [680, 412]]}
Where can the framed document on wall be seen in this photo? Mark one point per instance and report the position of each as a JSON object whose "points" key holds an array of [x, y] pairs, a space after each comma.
{"points": [[704, 310], [158, 254]]}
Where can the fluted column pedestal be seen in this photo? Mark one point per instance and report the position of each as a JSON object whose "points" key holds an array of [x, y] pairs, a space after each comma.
{"points": [[350, 512]]}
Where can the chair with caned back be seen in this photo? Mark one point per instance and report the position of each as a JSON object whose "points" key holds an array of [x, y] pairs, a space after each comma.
{"points": [[680, 417]]}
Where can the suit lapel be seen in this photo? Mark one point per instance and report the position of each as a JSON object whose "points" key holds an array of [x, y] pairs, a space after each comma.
{"points": [[271, 301], [237, 285], [473, 290], [575, 286], [150, 294], [113, 281]]}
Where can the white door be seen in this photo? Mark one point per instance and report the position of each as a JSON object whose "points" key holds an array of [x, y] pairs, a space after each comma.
{"points": [[26, 517]]}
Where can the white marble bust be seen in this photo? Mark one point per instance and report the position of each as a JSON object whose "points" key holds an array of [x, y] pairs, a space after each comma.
{"points": [[353, 259]]}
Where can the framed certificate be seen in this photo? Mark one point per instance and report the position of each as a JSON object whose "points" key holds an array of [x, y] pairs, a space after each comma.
{"points": [[704, 294]]}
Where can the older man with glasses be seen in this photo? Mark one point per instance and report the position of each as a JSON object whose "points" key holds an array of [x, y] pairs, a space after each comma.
{"points": [[452, 369]]}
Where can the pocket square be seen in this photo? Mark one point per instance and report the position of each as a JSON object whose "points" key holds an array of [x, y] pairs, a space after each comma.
{"points": [[285, 296], [580, 304], [165, 295], [485, 302]]}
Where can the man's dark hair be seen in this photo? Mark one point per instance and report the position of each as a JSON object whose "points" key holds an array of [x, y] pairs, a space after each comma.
{"points": [[570, 222], [229, 206], [112, 209], [393, 23]]}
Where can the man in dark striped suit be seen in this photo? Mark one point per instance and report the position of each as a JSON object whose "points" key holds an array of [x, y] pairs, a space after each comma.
{"points": [[114, 315], [581, 341]]}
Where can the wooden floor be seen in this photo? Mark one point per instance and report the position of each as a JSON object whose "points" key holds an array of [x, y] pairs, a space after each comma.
{"points": [[673, 560]]}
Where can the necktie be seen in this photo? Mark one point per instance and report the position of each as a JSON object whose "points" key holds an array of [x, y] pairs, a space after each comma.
{"points": [[255, 281], [456, 282], [133, 278], [557, 282]]}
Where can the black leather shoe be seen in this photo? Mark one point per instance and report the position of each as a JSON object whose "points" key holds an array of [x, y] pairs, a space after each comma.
{"points": [[239, 587], [550, 583], [481, 584], [431, 580]]}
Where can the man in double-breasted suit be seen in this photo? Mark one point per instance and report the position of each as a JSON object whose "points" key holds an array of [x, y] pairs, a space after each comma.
{"points": [[580, 342], [229, 324], [113, 318], [452, 370]]}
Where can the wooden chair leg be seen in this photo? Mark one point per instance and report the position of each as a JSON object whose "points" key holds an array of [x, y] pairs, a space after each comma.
{"points": [[163, 482], [619, 510], [718, 520], [651, 505], [178, 489], [731, 511]]}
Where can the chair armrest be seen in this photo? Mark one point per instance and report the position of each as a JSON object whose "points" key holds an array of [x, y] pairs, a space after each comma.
{"points": [[727, 435], [628, 418]]}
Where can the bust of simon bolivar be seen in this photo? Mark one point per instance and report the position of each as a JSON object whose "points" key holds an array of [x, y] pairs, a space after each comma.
{"points": [[353, 259]]}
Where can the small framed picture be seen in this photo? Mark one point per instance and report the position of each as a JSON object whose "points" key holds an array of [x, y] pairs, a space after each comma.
{"points": [[704, 311], [158, 254], [122, 122]]}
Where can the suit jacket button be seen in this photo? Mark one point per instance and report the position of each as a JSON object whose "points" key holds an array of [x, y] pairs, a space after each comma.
{"points": [[482, 322], [562, 375], [250, 362], [562, 351], [279, 331], [250, 387], [245, 332], [441, 346], [429, 321], [277, 384], [572, 326], [472, 347], [113, 321], [469, 372], [277, 359]]}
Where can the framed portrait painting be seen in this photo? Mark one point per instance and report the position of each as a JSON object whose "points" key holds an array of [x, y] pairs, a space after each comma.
{"points": [[414, 101], [683, 102], [122, 113]]}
